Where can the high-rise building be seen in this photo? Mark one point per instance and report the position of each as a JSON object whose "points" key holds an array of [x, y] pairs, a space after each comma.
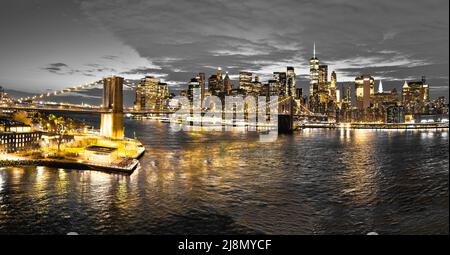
{"points": [[395, 114], [290, 81], [348, 95], [219, 79], [213, 84], [151, 94], [364, 89], [333, 88], [416, 92], [227, 84], [323, 77], [245, 81], [314, 74], [202, 81], [256, 86], [112, 118], [281, 78], [274, 87], [194, 83], [384, 99], [338, 95]]}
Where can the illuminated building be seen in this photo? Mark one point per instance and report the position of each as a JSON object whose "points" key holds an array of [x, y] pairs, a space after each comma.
{"points": [[384, 98], [213, 87], [364, 89], [439, 106], [4, 97], [338, 95], [348, 96], [12, 142], [280, 77], [7, 125], [395, 114], [112, 117], [257, 87], [245, 81], [431, 118], [314, 74], [274, 87], [323, 77], [219, 79], [227, 84], [202, 81], [345, 109], [194, 83], [415, 95], [151, 94], [15, 136], [290, 81], [333, 88]]}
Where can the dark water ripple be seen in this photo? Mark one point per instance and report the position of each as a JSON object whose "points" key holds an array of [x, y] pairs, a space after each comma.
{"points": [[313, 182]]}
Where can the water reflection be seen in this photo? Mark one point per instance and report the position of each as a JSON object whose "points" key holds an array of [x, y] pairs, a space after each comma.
{"points": [[316, 181]]}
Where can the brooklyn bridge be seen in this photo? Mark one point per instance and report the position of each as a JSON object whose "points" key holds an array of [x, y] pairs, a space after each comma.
{"points": [[38, 103]]}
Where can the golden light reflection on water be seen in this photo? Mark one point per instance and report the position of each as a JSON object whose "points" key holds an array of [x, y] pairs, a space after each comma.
{"points": [[360, 173], [40, 184], [62, 185], [2, 182], [274, 187]]}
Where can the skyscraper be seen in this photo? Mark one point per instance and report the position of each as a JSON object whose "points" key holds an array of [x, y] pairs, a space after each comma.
{"points": [[323, 77], [314, 74], [194, 83], [274, 87], [415, 96], [416, 91], [290, 81], [364, 89], [202, 81], [281, 78], [219, 79], [333, 87], [245, 81], [213, 84], [227, 84], [151, 93]]}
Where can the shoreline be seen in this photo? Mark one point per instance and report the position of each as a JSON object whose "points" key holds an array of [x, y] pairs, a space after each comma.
{"points": [[71, 164], [377, 126]]}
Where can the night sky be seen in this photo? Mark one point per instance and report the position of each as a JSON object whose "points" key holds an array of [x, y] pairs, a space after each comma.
{"points": [[49, 44]]}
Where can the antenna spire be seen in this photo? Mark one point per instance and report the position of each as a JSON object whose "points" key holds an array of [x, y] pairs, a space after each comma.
{"points": [[380, 87], [314, 50]]}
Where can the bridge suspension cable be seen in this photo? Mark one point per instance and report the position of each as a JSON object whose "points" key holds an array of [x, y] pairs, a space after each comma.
{"points": [[59, 92]]}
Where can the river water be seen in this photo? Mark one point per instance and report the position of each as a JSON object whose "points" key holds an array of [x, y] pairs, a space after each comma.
{"points": [[315, 181]]}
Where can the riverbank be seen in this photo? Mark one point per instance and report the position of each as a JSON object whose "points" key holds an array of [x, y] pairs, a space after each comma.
{"points": [[68, 164], [393, 126]]}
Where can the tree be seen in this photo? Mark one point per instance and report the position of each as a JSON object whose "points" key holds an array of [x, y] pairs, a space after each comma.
{"points": [[61, 130]]}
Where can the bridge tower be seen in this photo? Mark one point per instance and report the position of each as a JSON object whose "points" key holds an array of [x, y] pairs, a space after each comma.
{"points": [[112, 116], [286, 115]]}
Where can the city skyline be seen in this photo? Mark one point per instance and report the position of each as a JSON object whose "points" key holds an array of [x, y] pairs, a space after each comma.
{"points": [[94, 45], [248, 119]]}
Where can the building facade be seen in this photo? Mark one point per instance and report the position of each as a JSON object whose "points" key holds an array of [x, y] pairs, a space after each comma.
{"points": [[151, 94]]}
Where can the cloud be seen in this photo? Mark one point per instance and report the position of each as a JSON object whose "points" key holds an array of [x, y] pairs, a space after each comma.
{"points": [[267, 36], [59, 68], [177, 39]]}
